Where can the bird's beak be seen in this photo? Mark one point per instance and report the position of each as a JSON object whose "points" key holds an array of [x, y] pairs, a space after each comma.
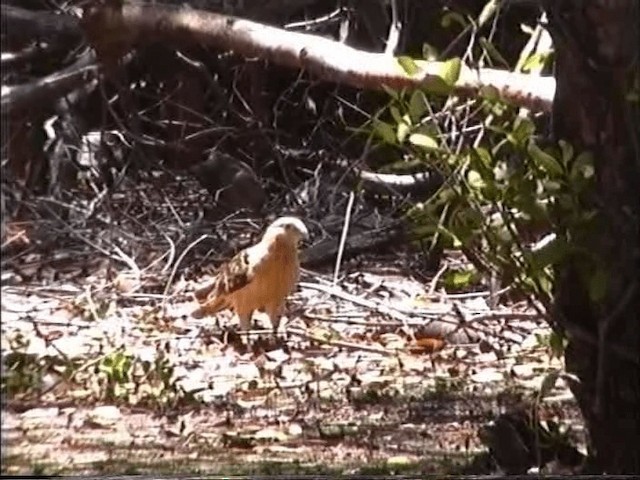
{"points": [[304, 237]]}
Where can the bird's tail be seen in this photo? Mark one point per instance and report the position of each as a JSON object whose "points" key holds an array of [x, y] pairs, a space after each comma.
{"points": [[210, 307], [204, 291]]}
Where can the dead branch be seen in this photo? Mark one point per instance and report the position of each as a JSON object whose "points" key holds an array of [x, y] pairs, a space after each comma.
{"points": [[367, 241], [423, 183], [114, 30], [50, 88], [31, 53], [29, 24]]}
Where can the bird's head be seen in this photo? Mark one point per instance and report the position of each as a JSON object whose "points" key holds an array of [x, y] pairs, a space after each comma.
{"points": [[290, 227]]}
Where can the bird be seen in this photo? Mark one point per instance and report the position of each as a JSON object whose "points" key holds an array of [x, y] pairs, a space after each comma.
{"points": [[259, 277]]}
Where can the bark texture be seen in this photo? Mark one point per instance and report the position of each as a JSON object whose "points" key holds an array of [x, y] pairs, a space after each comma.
{"points": [[596, 45]]}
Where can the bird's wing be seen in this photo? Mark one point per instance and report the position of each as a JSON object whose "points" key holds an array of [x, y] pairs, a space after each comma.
{"points": [[232, 275], [235, 273]]}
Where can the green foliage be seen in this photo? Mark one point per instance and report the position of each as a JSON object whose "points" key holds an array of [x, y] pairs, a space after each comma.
{"points": [[22, 374], [504, 193], [117, 376], [122, 376], [116, 369], [441, 83], [408, 65], [536, 62], [493, 52], [554, 342], [460, 279], [448, 385], [451, 18]]}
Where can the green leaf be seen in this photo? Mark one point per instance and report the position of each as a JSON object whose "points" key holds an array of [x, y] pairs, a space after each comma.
{"points": [[423, 141], [453, 237], [551, 186], [546, 285], [582, 167], [436, 86], [523, 130], [443, 82], [450, 18], [475, 180], [493, 52], [402, 131], [454, 160], [567, 151], [417, 105], [499, 108], [395, 113], [384, 130], [450, 71], [545, 161], [427, 129], [391, 92], [535, 62], [409, 65], [484, 156], [459, 279], [557, 344]]}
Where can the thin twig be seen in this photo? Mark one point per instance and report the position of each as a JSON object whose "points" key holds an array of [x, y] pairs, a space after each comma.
{"points": [[395, 28], [342, 344], [174, 212], [343, 237], [175, 268], [127, 259], [337, 292], [436, 277]]}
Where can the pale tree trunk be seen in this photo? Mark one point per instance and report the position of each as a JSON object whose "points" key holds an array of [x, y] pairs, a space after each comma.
{"points": [[596, 43]]}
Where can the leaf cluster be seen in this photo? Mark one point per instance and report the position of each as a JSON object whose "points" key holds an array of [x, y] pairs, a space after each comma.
{"points": [[125, 377], [515, 205]]}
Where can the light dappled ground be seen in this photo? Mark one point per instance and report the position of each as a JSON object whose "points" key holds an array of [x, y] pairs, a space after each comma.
{"points": [[114, 379]]}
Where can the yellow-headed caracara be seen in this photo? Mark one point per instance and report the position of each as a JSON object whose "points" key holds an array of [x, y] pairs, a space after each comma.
{"points": [[259, 277]]}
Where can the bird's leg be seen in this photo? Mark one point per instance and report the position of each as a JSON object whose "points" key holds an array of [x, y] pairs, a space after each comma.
{"points": [[274, 312], [245, 320]]}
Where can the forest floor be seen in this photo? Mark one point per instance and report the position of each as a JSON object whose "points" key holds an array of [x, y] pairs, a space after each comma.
{"points": [[105, 372]]}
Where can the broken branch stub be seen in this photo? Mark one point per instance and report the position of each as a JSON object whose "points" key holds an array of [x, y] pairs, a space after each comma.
{"points": [[105, 29]]}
